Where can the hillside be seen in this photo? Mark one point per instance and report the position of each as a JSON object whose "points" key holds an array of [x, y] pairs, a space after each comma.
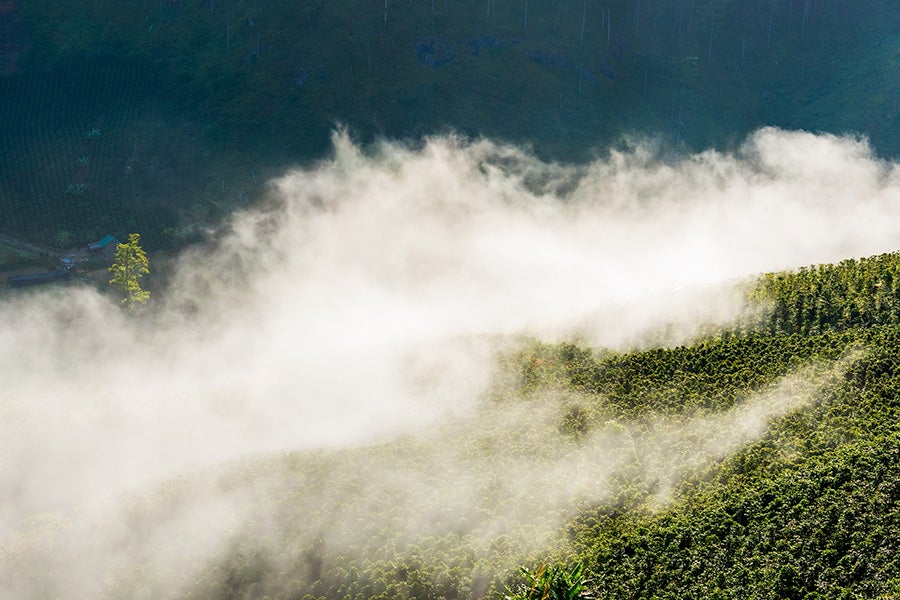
{"points": [[450, 297], [760, 461], [164, 117], [809, 510]]}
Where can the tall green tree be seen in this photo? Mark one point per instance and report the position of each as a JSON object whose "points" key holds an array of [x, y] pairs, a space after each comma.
{"points": [[129, 266]]}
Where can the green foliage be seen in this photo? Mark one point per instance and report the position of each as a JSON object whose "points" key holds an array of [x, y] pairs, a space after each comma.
{"points": [[14, 258], [805, 512], [808, 508], [852, 293], [64, 238], [552, 582], [128, 268]]}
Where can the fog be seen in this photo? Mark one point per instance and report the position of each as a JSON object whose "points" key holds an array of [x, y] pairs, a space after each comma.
{"points": [[367, 302]]}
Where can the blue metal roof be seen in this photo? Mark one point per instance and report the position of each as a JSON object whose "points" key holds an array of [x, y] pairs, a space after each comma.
{"points": [[103, 243]]}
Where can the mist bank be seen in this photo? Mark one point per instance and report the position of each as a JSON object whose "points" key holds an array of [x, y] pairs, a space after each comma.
{"points": [[370, 297], [476, 496]]}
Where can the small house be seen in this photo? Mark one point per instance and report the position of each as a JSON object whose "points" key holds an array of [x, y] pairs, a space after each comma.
{"points": [[102, 245]]}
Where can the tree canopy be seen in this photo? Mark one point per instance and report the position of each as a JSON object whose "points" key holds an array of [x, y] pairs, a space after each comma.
{"points": [[129, 266]]}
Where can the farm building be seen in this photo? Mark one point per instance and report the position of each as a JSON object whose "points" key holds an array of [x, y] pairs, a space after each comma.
{"points": [[103, 244]]}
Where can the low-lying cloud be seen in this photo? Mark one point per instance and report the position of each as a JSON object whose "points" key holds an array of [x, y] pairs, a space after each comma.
{"points": [[369, 298]]}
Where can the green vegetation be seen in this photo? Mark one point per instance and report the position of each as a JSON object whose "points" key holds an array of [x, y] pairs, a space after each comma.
{"points": [[128, 268], [165, 116], [853, 293], [14, 258], [760, 462], [553, 582], [808, 511]]}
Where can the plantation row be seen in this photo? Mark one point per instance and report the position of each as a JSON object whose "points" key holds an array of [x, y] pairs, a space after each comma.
{"points": [[97, 147], [814, 313], [848, 294], [71, 177], [809, 511]]}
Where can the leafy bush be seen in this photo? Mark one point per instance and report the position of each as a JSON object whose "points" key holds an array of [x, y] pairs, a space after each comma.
{"points": [[552, 582]]}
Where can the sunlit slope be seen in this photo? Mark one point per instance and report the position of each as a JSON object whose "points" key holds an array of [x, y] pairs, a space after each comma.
{"points": [[760, 462], [809, 511], [334, 397]]}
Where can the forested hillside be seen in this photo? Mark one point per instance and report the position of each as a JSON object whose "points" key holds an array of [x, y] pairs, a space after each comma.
{"points": [[809, 511], [761, 461], [164, 116], [338, 391]]}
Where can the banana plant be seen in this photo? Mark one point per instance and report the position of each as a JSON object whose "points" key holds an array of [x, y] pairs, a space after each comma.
{"points": [[552, 583]]}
